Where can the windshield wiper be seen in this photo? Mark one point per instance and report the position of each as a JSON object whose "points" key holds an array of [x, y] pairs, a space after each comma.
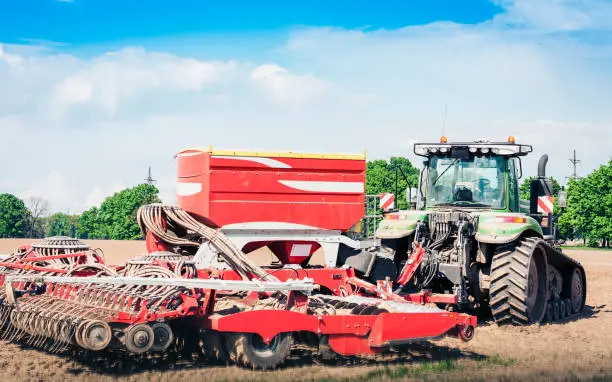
{"points": [[445, 170], [462, 203]]}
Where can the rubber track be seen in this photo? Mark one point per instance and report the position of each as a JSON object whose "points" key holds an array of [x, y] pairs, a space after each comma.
{"points": [[508, 293]]}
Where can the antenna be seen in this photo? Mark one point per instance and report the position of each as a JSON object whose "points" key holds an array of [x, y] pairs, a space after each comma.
{"points": [[444, 119], [149, 179], [574, 162]]}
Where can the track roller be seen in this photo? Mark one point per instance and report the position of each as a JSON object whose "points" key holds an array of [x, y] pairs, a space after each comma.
{"points": [[556, 310], [576, 286], [248, 349], [568, 308], [139, 338], [549, 312]]}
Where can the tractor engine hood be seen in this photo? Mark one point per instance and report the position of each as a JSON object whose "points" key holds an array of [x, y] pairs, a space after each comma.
{"points": [[493, 227]]}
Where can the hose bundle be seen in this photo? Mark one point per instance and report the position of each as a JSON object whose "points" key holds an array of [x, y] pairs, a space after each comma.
{"points": [[154, 218]]}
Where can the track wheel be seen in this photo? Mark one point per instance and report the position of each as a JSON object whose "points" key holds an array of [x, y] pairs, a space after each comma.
{"points": [[577, 290], [568, 307], [519, 283], [139, 338], [248, 349], [562, 309], [549, 312], [162, 336]]}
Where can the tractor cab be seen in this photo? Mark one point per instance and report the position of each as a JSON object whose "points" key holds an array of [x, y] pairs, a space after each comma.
{"points": [[479, 175]]}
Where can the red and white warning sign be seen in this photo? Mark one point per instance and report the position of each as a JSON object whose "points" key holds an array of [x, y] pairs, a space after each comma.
{"points": [[546, 204], [387, 201]]}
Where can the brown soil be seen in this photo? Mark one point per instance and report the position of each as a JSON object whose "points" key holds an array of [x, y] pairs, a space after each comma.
{"points": [[578, 349]]}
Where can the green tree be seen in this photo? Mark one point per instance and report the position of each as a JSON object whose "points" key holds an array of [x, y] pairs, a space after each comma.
{"points": [[88, 225], [116, 217], [61, 224], [381, 176], [589, 208], [14, 216]]}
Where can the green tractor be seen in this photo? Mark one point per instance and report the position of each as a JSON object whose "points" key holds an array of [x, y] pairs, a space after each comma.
{"points": [[482, 245]]}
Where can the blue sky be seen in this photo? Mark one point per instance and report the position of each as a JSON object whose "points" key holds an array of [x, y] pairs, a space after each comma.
{"points": [[97, 91], [84, 22]]}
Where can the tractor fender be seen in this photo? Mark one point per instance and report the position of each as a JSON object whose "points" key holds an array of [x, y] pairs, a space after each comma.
{"points": [[502, 228], [397, 225]]}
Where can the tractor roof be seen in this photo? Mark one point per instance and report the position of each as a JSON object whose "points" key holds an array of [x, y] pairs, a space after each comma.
{"points": [[481, 146]]}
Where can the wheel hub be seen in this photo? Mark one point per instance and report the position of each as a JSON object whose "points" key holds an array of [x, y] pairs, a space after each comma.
{"points": [[141, 338]]}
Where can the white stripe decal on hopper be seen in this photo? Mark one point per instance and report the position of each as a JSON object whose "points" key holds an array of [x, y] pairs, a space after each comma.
{"points": [[187, 189], [315, 186], [273, 163]]}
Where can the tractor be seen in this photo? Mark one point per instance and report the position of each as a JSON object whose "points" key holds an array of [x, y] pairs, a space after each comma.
{"points": [[479, 241]]}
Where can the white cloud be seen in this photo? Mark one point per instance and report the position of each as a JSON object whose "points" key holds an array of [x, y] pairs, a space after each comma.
{"points": [[75, 130], [557, 15], [122, 76], [97, 195], [54, 187], [286, 87]]}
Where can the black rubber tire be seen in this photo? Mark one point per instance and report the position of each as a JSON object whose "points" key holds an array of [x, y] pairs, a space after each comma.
{"points": [[139, 338], [163, 336], [213, 349], [519, 283], [246, 349]]}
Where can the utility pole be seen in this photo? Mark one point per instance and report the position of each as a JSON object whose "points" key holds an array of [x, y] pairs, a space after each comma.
{"points": [[149, 179], [574, 162]]}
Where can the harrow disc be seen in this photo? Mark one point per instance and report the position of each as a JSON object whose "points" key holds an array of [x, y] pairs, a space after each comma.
{"points": [[62, 243]]}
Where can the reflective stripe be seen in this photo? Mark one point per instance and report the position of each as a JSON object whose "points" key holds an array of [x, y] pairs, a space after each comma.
{"points": [[272, 163], [187, 189], [315, 186]]}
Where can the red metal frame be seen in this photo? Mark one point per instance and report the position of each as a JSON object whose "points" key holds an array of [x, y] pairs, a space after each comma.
{"points": [[340, 282], [348, 334], [411, 265]]}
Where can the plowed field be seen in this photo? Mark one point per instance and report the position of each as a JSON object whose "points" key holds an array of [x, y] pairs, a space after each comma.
{"points": [[579, 349]]}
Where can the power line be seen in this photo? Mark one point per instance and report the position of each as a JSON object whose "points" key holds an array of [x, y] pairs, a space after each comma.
{"points": [[149, 179], [574, 162]]}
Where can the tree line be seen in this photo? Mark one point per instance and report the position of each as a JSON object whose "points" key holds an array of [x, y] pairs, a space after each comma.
{"points": [[115, 218]]}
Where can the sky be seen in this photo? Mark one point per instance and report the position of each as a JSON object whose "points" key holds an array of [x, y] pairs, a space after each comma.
{"points": [[92, 93]]}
